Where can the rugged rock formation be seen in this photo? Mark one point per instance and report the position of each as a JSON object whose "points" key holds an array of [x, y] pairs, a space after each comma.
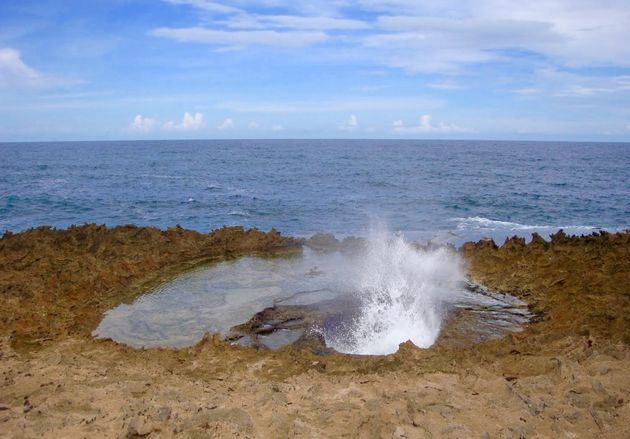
{"points": [[566, 375], [61, 281]]}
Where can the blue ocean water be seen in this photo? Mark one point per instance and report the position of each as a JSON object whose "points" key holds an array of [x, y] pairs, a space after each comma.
{"points": [[454, 190]]}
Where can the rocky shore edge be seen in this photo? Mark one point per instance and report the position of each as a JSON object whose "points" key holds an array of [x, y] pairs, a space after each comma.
{"points": [[565, 375]]}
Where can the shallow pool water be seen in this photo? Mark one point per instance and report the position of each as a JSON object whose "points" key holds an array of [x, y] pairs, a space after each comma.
{"points": [[217, 297], [322, 286]]}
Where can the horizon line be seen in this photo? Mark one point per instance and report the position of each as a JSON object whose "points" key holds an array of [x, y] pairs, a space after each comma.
{"points": [[4, 142]]}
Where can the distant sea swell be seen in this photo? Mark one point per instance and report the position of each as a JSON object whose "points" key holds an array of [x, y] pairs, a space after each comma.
{"points": [[452, 190]]}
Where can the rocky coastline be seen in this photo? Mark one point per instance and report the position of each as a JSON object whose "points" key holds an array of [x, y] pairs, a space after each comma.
{"points": [[566, 375]]}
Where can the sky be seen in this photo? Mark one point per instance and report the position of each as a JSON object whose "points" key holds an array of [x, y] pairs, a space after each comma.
{"points": [[183, 69]]}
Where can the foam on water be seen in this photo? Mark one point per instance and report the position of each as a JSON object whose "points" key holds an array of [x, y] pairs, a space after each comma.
{"points": [[403, 293], [478, 222]]}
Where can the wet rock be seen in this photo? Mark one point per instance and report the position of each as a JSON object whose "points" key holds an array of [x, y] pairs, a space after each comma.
{"points": [[324, 242], [352, 244], [256, 331], [264, 328], [313, 342]]}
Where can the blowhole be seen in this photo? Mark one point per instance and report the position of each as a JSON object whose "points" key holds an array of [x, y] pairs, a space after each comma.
{"points": [[366, 302]]}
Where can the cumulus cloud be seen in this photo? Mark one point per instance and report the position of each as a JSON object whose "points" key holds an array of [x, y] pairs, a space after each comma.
{"points": [[252, 125], [226, 124], [277, 127], [189, 122], [351, 124], [142, 124], [425, 126]]}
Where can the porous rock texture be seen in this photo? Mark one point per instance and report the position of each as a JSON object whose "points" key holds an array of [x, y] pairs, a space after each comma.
{"points": [[566, 375]]}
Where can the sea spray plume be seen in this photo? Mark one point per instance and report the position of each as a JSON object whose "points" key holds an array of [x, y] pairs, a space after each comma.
{"points": [[403, 292]]}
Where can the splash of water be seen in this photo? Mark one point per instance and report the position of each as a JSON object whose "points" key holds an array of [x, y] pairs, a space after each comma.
{"points": [[403, 292]]}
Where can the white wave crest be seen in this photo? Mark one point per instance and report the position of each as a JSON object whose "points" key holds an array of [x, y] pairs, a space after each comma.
{"points": [[478, 222], [241, 213]]}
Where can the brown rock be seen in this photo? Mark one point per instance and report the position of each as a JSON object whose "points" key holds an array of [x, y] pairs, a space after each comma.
{"points": [[323, 242], [139, 426]]}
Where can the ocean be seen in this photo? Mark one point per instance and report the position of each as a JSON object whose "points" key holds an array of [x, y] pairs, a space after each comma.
{"points": [[445, 190]]}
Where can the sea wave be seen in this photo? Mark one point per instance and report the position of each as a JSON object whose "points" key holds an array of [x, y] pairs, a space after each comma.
{"points": [[238, 213], [479, 222]]}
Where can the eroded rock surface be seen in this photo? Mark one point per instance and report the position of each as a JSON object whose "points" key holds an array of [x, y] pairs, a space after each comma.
{"points": [[567, 375]]}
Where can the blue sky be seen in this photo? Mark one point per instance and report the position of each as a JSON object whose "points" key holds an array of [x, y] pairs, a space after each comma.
{"points": [[160, 69]]}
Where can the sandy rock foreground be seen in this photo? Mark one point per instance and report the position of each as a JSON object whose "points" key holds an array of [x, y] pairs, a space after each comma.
{"points": [[566, 375]]}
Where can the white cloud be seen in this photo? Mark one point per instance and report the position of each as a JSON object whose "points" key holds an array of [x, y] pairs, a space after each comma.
{"points": [[446, 36], [189, 122], [528, 91], [252, 125], [351, 124], [13, 70], [226, 124], [302, 7], [206, 6], [445, 85], [590, 32], [425, 126], [558, 83], [246, 21], [427, 44], [277, 127], [142, 124], [429, 37], [16, 74], [241, 38]]}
